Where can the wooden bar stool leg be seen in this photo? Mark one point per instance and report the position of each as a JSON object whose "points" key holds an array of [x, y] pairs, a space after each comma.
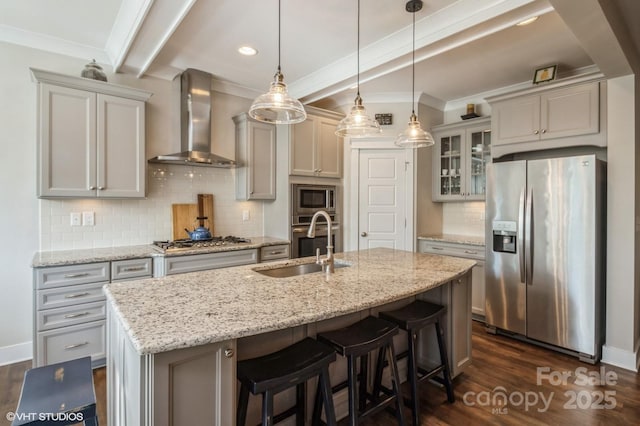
{"points": [[317, 403], [444, 359], [300, 404], [377, 381], [353, 391], [395, 380], [413, 377], [364, 367], [327, 396], [243, 403], [267, 408]]}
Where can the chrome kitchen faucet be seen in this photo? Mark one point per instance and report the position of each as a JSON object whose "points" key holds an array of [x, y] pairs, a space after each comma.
{"points": [[327, 262]]}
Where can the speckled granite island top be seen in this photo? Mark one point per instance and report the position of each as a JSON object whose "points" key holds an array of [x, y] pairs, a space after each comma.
{"points": [[186, 310]]}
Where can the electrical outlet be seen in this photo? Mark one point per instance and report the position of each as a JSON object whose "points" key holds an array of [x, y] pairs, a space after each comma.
{"points": [[88, 218], [245, 215], [76, 219]]}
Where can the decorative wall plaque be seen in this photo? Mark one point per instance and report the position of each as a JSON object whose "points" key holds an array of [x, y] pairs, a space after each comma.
{"points": [[384, 119]]}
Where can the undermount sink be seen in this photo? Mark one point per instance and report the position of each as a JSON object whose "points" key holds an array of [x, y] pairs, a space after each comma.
{"points": [[293, 270]]}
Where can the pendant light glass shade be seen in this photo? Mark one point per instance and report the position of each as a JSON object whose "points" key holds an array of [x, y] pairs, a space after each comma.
{"points": [[358, 123], [276, 106], [414, 136]]}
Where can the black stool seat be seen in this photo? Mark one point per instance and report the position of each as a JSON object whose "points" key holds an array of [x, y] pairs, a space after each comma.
{"points": [[275, 372], [412, 318], [58, 394], [358, 340]]}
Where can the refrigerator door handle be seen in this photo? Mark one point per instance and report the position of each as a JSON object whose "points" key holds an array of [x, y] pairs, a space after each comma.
{"points": [[521, 234], [529, 237]]}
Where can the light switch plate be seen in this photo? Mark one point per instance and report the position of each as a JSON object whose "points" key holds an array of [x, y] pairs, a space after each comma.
{"points": [[76, 219], [88, 218], [245, 215]]}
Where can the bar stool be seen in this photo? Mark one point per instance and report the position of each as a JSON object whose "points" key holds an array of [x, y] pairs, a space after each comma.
{"points": [[58, 394], [278, 371], [358, 340], [412, 318]]}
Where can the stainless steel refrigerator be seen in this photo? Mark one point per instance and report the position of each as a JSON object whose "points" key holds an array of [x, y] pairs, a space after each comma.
{"points": [[545, 252]]}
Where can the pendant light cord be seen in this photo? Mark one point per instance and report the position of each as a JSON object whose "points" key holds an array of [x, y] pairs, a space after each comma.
{"points": [[413, 66], [358, 50], [279, 30]]}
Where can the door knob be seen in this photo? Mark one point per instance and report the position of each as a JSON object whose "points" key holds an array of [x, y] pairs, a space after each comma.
{"points": [[363, 234]]}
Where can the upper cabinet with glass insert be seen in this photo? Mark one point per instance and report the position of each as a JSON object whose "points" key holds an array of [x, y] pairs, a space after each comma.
{"points": [[461, 154]]}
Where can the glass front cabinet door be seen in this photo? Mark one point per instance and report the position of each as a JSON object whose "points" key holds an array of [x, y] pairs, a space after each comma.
{"points": [[461, 154]]}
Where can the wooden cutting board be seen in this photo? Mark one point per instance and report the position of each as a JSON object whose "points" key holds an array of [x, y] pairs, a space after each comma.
{"points": [[183, 216], [205, 209]]}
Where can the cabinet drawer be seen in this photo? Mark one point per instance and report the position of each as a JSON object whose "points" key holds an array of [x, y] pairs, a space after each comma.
{"points": [[58, 276], [76, 341], [70, 315], [274, 252], [203, 262], [452, 249], [122, 270], [67, 296]]}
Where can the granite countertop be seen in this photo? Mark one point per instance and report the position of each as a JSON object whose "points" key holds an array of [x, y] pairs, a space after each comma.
{"points": [[456, 239], [72, 257], [185, 310]]}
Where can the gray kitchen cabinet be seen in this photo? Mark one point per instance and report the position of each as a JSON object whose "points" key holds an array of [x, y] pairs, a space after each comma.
{"points": [[171, 265], [273, 253], [91, 138], [565, 114], [256, 155], [70, 311], [461, 154], [315, 149], [466, 251]]}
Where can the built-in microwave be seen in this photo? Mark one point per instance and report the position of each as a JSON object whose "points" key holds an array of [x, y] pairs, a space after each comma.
{"points": [[308, 199]]}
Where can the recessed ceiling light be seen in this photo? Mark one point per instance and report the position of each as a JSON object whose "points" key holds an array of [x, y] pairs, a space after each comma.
{"points": [[247, 50], [527, 21]]}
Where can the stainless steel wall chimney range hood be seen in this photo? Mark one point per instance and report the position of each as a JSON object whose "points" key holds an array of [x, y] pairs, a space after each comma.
{"points": [[195, 124]]}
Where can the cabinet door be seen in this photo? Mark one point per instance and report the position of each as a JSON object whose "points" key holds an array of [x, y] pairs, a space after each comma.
{"points": [[261, 170], [448, 166], [120, 147], [477, 289], [460, 309], [67, 142], [573, 111], [516, 120], [477, 156], [329, 149], [303, 148]]}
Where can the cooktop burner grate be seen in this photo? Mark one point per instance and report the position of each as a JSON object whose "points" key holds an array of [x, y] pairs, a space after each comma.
{"points": [[194, 244]]}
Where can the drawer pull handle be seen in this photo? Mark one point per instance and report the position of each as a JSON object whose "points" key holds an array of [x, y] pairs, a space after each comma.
{"points": [[437, 248], [76, 295], [276, 252], [228, 353], [75, 345], [471, 252], [134, 269], [81, 274], [81, 314]]}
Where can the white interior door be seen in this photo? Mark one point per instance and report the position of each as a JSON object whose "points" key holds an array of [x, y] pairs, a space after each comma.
{"points": [[382, 202]]}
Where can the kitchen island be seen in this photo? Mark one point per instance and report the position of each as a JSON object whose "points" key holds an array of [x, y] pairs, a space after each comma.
{"points": [[173, 342]]}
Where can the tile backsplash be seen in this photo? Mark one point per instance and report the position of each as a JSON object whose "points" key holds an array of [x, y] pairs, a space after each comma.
{"points": [[463, 218], [132, 222]]}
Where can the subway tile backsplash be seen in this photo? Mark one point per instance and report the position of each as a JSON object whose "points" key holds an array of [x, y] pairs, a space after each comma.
{"points": [[463, 218], [132, 222]]}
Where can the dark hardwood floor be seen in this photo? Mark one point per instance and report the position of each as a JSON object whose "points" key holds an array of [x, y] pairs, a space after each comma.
{"points": [[501, 367]]}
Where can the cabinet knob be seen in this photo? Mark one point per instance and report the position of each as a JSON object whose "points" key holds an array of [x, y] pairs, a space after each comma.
{"points": [[535, 132], [92, 188], [228, 352], [544, 130], [363, 234], [101, 188]]}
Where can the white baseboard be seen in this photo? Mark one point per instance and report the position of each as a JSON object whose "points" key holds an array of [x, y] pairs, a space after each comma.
{"points": [[621, 358], [16, 353]]}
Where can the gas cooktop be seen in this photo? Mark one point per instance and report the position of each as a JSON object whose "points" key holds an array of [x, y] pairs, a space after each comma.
{"points": [[188, 244]]}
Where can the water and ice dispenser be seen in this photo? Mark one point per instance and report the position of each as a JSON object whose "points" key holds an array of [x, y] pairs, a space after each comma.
{"points": [[504, 236]]}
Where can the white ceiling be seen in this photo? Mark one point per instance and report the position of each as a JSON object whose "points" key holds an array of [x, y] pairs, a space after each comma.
{"points": [[463, 47]]}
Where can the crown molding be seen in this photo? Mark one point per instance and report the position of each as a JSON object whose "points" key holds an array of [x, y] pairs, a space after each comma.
{"points": [[47, 43]]}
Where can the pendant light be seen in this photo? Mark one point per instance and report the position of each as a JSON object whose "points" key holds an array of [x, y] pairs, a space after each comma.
{"points": [[276, 106], [358, 123], [414, 136]]}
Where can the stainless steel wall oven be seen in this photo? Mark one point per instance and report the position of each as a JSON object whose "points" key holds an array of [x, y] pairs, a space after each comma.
{"points": [[306, 200]]}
